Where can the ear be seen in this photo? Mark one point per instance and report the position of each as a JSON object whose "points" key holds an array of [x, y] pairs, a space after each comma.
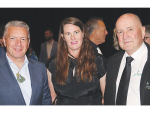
{"points": [[94, 33], [143, 32], [51, 34], [28, 42], [62, 36], [4, 40]]}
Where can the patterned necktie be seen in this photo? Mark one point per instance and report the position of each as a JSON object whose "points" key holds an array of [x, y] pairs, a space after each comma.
{"points": [[124, 83]]}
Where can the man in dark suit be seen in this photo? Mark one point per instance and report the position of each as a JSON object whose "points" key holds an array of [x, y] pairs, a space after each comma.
{"points": [[130, 33], [48, 48], [23, 81], [96, 31]]}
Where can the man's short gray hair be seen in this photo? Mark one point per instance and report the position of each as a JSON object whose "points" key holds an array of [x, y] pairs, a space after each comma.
{"points": [[92, 24], [16, 23]]}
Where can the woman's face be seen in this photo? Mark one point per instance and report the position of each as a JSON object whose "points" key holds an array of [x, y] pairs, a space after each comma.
{"points": [[73, 37]]}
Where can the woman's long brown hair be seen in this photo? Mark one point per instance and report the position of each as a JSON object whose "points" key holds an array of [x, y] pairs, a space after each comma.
{"points": [[86, 59]]}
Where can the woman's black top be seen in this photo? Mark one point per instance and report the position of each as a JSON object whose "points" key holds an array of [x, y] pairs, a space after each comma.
{"points": [[76, 91]]}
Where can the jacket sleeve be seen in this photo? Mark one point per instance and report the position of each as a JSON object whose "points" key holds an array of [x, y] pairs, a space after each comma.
{"points": [[46, 91]]}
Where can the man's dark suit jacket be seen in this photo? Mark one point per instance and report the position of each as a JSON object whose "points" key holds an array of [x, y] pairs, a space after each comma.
{"points": [[43, 51], [111, 77], [2, 52], [10, 92]]}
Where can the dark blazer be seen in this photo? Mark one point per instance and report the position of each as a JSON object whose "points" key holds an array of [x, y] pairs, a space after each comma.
{"points": [[111, 77], [96, 51], [43, 51], [10, 92], [2, 52]]}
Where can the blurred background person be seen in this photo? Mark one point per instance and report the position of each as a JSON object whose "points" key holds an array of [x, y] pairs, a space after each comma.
{"points": [[2, 47], [96, 31], [77, 73], [1, 35], [48, 48], [31, 53], [147, 34]]}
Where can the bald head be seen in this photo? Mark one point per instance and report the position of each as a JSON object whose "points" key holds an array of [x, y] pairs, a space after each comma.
{"points": [[130, 32], [129, 16]]}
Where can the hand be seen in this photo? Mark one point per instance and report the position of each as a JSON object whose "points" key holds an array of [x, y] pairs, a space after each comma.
{"points": [[102, 101], [48, 58]]}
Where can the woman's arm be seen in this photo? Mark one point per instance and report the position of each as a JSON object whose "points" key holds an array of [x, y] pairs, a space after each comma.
{"points": [[102, 86]]}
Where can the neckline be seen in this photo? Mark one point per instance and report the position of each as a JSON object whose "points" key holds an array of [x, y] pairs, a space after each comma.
{"points": [[71, 56]]}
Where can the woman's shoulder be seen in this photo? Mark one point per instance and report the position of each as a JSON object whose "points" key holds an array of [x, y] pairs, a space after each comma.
{"points": [[100, 57], [101, 64]]}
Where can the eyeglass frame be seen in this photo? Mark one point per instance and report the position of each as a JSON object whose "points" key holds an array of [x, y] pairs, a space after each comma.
{"points": [[146, 38]]}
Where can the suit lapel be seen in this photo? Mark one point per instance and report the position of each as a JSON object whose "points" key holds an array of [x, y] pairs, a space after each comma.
{"points": [[45, 48], [33, 74], [117, 62], [145, 73], [53, 47], [116, 68], [9, 76], [115, 71]]}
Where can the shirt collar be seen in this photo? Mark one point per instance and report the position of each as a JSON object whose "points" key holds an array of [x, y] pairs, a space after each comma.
{"points": [[94, 45], [51, 41], [10, 61], [137, 55]]}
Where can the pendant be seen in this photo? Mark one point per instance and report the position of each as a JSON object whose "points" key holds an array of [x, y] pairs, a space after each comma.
{"points": [[20, 78]]}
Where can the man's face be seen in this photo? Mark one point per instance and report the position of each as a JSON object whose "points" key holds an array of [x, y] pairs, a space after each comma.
{"points": [[101, 33], [147, 39], [16, 42], [48, 35], [130, 33]]}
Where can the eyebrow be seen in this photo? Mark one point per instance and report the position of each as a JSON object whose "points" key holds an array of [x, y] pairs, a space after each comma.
{"points": [[129, 27], [122, 29], [77, 30]]}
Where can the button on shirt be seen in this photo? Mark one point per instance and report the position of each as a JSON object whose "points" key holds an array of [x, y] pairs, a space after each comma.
{"points": [[137, 65], [26, 85]]}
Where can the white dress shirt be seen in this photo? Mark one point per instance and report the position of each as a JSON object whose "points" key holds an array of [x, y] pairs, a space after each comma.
{"points": [[137, 65], [26, 85], [99, 51]]}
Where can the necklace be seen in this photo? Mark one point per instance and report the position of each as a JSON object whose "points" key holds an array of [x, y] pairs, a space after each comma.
{"points": [[20, 78]]}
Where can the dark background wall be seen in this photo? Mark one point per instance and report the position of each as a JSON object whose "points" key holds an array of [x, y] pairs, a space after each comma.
{"points": [[39, 19]]}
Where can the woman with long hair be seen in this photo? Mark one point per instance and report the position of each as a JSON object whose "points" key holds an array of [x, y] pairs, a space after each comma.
{"points": [[76, 74]]}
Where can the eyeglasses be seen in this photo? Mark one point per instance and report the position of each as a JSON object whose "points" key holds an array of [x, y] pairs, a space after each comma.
{"points": [[146, 38]]}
